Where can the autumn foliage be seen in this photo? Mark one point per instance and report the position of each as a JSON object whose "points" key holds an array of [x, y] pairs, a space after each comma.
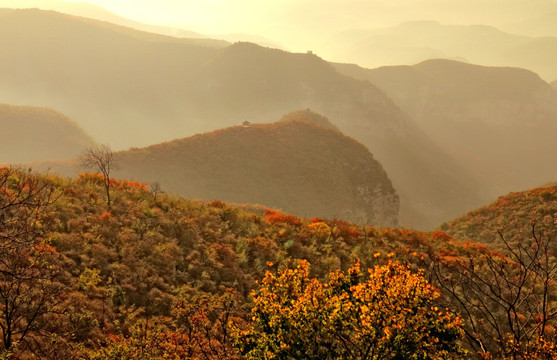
{"points": [[389, 313]]}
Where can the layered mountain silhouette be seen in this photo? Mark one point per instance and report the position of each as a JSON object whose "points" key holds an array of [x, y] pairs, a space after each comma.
{"points": [[412, 42], [35, 134], [133, 89], [294, 165], [92, 11], [499, 123]]}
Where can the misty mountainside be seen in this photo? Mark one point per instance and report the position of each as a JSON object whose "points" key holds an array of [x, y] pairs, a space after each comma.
{"points": [[511, 216], [115, 80], [498, 122], [132, 90], [416, 41], [554, 84], [96, 12], [36, 134], [296, 166]]}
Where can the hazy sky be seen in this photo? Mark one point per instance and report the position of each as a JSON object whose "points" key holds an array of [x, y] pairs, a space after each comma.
{"points": [[226, 16], [300, 24]]}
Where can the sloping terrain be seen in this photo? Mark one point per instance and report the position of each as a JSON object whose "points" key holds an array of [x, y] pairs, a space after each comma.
{"points": [[35, 134], [512, 215], [133, 89], [296, 166], [499, 123]]}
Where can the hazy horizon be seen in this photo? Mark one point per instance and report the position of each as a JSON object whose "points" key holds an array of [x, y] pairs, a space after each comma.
{"points": [[300, 24]]}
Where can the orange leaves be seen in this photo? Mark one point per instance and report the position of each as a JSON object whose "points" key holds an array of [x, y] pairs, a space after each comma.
{"points": [[99, 179], [106, 216], [277, 218], [391, 310]]}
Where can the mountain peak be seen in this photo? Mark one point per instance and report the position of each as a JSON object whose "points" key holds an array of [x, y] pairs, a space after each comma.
{"points": [[309, 116]]}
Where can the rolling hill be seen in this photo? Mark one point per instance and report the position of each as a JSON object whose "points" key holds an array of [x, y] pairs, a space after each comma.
{"points": [[36, 134], [497, 122], [512, 215], [133, 89], [297, 166]]}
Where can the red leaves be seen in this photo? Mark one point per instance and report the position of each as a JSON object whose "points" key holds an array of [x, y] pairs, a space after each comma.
{"points": [[276, 218]]}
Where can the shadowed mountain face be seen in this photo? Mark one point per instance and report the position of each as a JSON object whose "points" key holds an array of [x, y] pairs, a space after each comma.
{"points": [[35, 134], [499, 123], [412, 42], [132, 89], [297, 166]]}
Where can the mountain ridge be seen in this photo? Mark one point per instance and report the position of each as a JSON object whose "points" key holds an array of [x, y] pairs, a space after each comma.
{"points": [[34, 134], [297, 166]]}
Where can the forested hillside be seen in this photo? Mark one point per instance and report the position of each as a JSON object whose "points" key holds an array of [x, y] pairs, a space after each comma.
{"points": [[110, 87], [153, 276], [296, 166], [511, 218], [38, 134]]}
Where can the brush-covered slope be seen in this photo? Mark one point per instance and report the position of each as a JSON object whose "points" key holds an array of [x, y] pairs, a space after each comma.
{"points": [[309, 116], [35, 134], [512, 215], [132, 91], [497, 122], [296, 166], [151, 253]]}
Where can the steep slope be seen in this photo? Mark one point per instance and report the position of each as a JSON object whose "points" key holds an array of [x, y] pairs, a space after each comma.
{"points": [[157, 89], [152, 253], [35, 134], [430, 183], [498, 122], [416, 41], [512, 215], [299, 167]]}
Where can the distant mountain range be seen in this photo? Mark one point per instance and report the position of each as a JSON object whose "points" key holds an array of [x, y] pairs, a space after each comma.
{"points": [[554, 84], [130, 88], [412, 42], [294, 165], [499, 123], [36, 134]]}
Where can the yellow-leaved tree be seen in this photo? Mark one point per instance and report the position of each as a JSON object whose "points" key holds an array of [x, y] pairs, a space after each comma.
{"points": [[388, 313]]}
